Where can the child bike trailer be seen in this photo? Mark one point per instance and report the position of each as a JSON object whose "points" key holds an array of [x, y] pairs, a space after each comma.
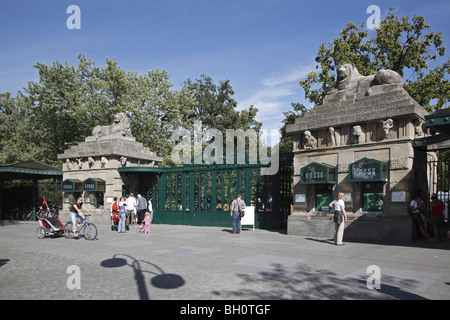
{"points": [[50, 226]]}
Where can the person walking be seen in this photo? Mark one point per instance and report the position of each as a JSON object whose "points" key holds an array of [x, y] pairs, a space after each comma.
{"points": [[148, 222], [236, 206], [437, 217], [340, 216], [141, 208], [122, 215]]}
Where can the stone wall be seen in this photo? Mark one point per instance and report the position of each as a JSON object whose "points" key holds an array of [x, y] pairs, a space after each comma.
{"points": [[362, 118]]}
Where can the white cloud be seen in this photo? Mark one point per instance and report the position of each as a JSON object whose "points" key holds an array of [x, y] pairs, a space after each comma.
{"points": [[275, 95], [293, 75]]}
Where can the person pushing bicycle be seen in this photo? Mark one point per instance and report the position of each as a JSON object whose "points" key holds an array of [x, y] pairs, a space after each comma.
{"points": [[74, 212]]}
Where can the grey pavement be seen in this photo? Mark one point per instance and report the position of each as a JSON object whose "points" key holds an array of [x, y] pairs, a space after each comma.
{"points": [[209, 263]]}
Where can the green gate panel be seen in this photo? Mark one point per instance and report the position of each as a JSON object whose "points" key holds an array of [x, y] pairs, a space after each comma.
{"points": [[201, 195]]}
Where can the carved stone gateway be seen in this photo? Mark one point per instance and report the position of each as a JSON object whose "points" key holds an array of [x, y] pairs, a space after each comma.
{"points": [[98, 158], [364, 117]]}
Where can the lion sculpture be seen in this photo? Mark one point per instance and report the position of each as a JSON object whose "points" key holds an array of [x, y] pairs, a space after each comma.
{"points": [[120, 127], [349, 80]]}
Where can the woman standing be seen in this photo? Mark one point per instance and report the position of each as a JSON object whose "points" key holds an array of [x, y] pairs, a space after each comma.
{"points": [[340, 216]]}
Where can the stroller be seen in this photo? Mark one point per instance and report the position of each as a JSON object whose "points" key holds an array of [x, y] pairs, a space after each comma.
{"points": [[115, 221], [49, 226]]}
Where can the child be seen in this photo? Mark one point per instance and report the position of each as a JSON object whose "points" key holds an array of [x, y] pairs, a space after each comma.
{"points": [[148, 222], [141, 227]]}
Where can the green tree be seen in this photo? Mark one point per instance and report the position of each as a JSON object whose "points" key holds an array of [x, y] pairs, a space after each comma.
{"points": [[62, 108], [401, 44], [215, 106], [286, 140], [67, 102]]}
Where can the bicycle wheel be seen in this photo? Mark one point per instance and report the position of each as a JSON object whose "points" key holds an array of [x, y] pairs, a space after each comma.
{"points": [[90, 231], [40, 233], [68, 233], [28, 216]]}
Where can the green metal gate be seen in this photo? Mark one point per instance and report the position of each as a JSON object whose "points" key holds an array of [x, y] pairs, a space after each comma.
{"points": [[201, 195]]}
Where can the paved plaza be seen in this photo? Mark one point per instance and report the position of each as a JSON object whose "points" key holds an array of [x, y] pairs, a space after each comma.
{"points": [[209, 263]]}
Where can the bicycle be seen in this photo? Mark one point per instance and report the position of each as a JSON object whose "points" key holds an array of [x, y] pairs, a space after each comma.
{"points": [[90, 230]]}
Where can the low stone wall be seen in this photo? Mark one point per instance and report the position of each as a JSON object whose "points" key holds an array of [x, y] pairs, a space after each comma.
{"points": [[358, 228], [99, 217]]}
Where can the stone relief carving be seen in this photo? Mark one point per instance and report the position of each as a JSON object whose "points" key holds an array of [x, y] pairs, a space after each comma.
{"points": [[103, 162], [120, 127], [123, 161], [357, 133], [386, 125], [334, 137], [309, 142], [68, 164], [91, 162], [418, 131], [79, 163]]}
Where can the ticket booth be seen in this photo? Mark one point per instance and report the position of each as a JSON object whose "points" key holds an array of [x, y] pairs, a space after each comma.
{"points": [[371, 176], [71, 188], [94, 192], [322, 178]]}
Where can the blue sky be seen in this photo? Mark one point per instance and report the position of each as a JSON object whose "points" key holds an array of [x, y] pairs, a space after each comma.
{"points": [[264, 47]]}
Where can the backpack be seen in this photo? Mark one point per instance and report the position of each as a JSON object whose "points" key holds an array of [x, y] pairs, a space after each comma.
{"points": [[240, 210]]}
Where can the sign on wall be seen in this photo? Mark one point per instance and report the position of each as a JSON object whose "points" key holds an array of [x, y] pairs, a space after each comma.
{"points": [[70, 185], [366, 170], [317, 173]]}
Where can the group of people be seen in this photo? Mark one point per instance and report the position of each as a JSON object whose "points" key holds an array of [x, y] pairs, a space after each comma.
{"points": [[136, 210], [416, 209], [141, 213]]}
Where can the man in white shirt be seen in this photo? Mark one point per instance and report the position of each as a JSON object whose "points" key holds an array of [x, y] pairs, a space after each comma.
{"points": [[131, 208]]}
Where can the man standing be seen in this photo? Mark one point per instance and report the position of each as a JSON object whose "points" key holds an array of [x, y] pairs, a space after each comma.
{"points": [[131, 208], [141, 207], [236, 206]]}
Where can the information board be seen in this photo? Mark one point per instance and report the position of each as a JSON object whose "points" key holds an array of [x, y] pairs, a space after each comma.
{"points": [[249, 217]]}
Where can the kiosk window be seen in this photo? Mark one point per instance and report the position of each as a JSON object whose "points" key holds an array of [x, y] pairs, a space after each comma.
{"points": [[323, 197], [372, 197]]}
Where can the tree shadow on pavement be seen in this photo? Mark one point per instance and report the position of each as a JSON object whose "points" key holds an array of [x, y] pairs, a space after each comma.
{"points": [[305, 283]]}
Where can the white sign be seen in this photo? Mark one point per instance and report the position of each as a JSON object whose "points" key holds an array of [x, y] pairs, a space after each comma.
{"points": [[300, 197], [249, 217], [398, 196]]}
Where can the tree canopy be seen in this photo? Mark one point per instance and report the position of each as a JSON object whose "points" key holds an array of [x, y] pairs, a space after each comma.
{"points": [[67, 102], [401, 44]]}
